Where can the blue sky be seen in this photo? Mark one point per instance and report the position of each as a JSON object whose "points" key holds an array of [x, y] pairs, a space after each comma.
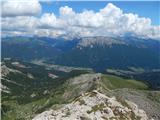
{"points": [[147, 9]]}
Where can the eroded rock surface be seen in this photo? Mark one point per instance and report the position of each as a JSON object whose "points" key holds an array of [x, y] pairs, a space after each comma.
{"points": [[95, 106]]}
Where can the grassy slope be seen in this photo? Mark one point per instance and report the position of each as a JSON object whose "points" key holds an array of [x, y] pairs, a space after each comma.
{"points": [[114, 82]]}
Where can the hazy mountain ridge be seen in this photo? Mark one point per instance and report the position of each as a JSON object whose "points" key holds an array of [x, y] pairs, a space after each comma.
{"points": [[88, 52]]}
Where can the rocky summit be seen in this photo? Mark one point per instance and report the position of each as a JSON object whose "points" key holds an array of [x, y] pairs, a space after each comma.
{"points": [[95, 106]]}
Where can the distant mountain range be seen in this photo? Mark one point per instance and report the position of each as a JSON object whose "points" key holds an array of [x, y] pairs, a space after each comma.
{"points": [[99, 53]]}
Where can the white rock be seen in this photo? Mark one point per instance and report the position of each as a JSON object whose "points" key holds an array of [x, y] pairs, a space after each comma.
{"points": [[93, 107]]}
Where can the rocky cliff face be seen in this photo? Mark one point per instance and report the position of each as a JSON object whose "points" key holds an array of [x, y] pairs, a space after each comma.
{"points": [[95, 106]]}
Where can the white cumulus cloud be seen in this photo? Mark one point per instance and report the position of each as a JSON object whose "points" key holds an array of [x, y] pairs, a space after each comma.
{"points": [[21, 23], [108, 21], [11, 8]]}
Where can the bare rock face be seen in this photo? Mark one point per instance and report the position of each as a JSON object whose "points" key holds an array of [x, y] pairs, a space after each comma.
{"points": [[90, 41], [95, 106]]}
